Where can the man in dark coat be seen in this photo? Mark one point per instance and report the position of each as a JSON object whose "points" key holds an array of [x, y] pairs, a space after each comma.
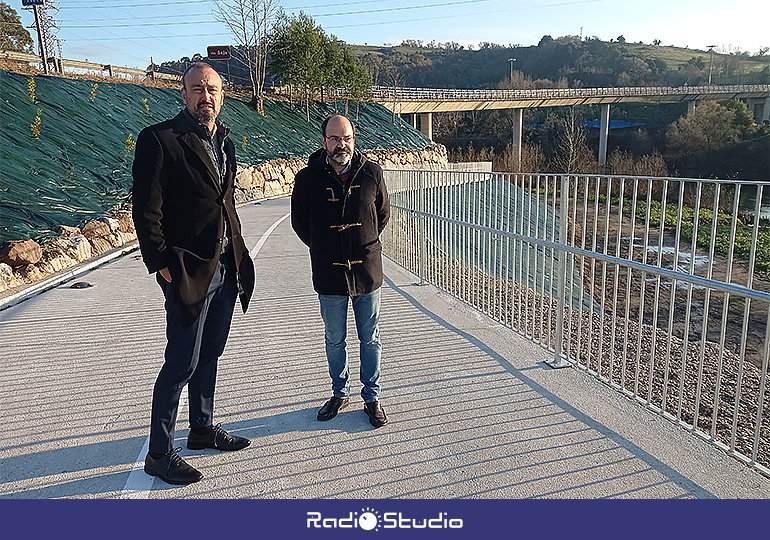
{"points": [[190, 237], [339, 207]]}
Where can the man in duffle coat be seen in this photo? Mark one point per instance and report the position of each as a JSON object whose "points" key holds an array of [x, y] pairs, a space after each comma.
{"points": [[339, 207], [190, 237]]}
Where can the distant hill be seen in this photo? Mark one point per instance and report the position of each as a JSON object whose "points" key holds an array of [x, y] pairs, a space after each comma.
{"points": [[565, 61], [588, 62]]}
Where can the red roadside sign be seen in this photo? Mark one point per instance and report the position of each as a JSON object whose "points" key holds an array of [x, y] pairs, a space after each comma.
{"points": [[218, 52]]}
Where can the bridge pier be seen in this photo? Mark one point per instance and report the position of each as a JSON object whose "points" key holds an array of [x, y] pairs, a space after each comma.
{"points": [[766, 110], [517, 131], [690, 107], [411, 118], [426, 124], [604, 130]]}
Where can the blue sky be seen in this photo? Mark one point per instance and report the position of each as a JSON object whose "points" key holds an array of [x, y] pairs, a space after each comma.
{"points": [[129, 32]]}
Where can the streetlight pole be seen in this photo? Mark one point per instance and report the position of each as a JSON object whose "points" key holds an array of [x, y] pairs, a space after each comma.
{"points": [[711, 57], [513, 63]]}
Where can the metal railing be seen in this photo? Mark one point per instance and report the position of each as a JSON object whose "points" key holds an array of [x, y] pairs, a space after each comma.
{"points": [[452, 94], [656, 286], [78, 66]]}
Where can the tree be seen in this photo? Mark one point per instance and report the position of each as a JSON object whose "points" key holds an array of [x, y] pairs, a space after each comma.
{"points": [[13, 35], [743, 120], [298, 53], [709, 127], [572, 154], [355, 77], [249, 22]]}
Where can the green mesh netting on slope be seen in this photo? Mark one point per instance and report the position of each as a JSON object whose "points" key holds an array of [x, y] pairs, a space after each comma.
{"points": [[79, 167]]}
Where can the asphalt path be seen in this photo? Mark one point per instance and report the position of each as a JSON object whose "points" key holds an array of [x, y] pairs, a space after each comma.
{"points": [[475, 412]]}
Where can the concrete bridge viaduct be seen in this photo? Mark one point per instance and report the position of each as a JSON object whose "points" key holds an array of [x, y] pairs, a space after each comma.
{"points": [[423, 102]]}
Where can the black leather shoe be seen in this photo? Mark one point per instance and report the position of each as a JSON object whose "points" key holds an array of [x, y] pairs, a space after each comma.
{"points": [[171, 469], [218, 439], [375, 413], [332, 407]]}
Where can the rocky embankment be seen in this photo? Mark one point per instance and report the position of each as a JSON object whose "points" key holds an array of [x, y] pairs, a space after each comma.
{"points": [[25, 261]]}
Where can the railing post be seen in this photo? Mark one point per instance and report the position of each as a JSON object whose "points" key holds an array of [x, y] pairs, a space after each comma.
{"points": [[560, 360], [422, 227]]}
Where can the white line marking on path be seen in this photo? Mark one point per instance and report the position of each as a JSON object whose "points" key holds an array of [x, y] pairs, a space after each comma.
{"points": [[139, 483], [255, 250]]}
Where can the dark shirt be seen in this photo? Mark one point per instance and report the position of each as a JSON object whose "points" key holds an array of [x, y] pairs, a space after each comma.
{"points": [[213, 143], [215, 148]]}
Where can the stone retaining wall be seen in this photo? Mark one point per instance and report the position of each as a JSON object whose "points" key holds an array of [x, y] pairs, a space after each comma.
{"points": [[25, 261]]}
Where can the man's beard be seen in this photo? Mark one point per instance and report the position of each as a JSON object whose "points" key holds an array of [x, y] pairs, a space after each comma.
{"points": [[204, 115], [341, 157]]}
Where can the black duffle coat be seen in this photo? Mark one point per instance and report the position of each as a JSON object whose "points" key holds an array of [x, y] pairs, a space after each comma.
{"points": [[341, 223]]}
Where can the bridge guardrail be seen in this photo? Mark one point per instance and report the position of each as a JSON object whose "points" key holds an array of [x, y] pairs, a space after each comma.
{"points": [[89, 66], [656, 286], [386, 93]]}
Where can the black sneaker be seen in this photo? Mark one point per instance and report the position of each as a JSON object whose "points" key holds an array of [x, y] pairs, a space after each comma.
{"points": [[218, 439], [375, 413], [172, 469], [332, 407]]}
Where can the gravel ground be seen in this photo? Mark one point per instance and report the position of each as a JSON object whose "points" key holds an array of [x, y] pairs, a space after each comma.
{"points": [[654, 366]]}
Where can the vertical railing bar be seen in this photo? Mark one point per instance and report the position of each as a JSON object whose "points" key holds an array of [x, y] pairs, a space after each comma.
{"points": [[508, 295], [529, 246], [454, 236], [746, 313], [618, 240], [504, 181], [553, 287], [537, 314], [486, 244], [446, 189], [725, 310], [677, 238], [544, 268], [706, 306], [574, 310], [476, 244], [762, 387], [594, 248], [583, 271], [634, 202], [653, 348], [495, 245], [602, 312], [642, 299], [520, 258], [560, 359], [465, 236], [688, 308]]}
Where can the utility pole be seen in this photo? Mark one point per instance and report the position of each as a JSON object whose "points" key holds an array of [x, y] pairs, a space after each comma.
{"points": [[40, 42], [45, 26], [711, 57]]}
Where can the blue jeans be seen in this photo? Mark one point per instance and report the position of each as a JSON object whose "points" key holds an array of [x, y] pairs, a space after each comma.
{"points": [[334, 312]]}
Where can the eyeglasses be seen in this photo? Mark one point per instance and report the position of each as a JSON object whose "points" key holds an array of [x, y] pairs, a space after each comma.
{"points": [[335, 139]]}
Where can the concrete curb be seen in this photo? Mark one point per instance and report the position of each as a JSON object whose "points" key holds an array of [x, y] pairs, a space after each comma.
{"points": [[67, 275]]}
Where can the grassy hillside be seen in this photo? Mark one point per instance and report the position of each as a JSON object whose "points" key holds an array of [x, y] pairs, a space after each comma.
{"points": [[78, 166]]}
